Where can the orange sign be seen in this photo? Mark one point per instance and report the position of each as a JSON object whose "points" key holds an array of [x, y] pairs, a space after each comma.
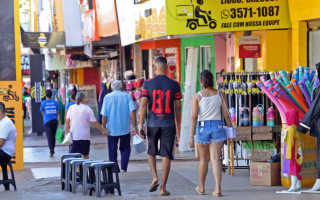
{"points": [[11, 96]]}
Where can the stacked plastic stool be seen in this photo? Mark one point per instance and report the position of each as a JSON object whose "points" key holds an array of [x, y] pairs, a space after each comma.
{"points": [[67, 173], [106, 181], [62, 174], [88, 182], [76, 178], [6, 181]]}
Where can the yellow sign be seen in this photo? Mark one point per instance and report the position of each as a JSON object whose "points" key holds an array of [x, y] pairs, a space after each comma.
{"points": [[11, 96], [207, 16]]}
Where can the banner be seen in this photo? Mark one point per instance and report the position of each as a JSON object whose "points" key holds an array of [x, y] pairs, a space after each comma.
{"points": [[37, 40], [207, 16], [11, 96], [249, 47], [37, 93], [7, 42]]}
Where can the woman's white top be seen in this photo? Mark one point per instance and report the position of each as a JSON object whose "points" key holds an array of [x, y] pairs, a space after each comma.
{"points": [[209, 108], [80, 117]]}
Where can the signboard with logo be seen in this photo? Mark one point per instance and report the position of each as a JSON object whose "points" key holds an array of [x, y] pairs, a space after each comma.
{"points": [[207, 16], [37, 92], [25, 67], [249, 47], [10, 72], [37, 40]]}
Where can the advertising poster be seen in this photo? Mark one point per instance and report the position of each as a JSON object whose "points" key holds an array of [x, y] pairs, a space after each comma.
{"points": [[207, 16], [249, 47]]}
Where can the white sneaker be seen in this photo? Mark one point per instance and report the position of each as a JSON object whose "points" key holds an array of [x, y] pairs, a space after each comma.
{"points": [[316, 186], [30, 132]]}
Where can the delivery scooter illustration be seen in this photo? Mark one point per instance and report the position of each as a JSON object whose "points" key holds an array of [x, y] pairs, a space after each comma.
{"points": [[196, 15], [8, 94]]}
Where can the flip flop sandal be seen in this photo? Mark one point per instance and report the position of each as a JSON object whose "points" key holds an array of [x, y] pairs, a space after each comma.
{"points": [[166, 194], [197, 190], [217, 194], [153, 187]]}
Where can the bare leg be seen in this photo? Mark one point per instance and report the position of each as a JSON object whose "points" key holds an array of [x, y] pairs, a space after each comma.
{"points": [[85, 156], [153, 168], [215, 154], [166, 164], [203, 165]]}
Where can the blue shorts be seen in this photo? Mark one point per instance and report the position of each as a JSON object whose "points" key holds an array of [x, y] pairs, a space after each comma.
{"points": [[208, 131]]}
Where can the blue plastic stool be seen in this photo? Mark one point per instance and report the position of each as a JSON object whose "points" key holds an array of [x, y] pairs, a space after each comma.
{"points": [[76, 180], [88, 182], [67, 172], [62, 174], [106, 182]]}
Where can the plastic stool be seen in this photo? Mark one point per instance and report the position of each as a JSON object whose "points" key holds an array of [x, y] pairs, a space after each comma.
{"points": [[67, 171], [88, 182], [75, 181], [62, 174], [107, 184], [6, 182]]}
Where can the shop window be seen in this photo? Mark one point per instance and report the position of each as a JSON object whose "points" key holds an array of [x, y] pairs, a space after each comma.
{"points": [[205, 58]]}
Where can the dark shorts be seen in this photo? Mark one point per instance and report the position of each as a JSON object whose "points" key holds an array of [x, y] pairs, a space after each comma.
{"points": [[80, 146], [4, 157], [167, 136]]}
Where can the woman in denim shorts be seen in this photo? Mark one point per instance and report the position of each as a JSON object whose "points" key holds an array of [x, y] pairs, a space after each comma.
{"points": [[207, 110]]}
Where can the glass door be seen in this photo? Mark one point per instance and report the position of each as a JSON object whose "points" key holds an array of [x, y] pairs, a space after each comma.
{"points": [[205, 58]]}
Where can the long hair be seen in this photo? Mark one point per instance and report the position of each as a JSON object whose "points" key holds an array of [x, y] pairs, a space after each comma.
{"points": [[206, 78], [80, 96]]}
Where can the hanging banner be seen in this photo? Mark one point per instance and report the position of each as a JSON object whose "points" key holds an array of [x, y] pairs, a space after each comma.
{"points": [[11, 96], [37, 40], [207, 16], [249, 47]]}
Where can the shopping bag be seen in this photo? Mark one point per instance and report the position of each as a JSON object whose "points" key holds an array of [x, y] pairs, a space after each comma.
{"points": [[59, 135], [138, 144], [67, 140]]}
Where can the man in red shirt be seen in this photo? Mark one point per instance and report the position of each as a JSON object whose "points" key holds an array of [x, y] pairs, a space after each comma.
{"points": [[161, 96]]}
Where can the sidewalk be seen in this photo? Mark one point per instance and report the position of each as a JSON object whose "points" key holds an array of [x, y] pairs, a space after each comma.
{"points": [[134, 185]]}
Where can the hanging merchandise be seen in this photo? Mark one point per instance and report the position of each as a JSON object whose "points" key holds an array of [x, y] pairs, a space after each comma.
{"points": [[244, 116], [271, 117], [257, 115]]}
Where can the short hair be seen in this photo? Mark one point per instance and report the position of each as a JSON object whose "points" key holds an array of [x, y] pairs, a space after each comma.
{"points": [[2, 108], [116, 85], [79, 97], [73, 95], [48, 93], [51, 85], [206, 78], [161, 63]]}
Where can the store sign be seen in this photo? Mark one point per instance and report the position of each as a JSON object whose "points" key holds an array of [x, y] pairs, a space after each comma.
{"points": [[36, 40], [249, 47], [107, 18], [207, 16], [25, 67], [11, 96]]}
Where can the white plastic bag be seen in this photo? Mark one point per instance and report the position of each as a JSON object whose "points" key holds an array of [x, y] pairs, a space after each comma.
{"points": [[67, 139], [138, 144]]}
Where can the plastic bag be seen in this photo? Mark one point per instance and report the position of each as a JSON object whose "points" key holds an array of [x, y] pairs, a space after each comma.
{"points": [[59, 135], [68, 140], [138, 144]]}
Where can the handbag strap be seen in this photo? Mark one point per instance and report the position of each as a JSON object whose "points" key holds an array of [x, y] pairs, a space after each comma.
{"points": [[225, 105]]}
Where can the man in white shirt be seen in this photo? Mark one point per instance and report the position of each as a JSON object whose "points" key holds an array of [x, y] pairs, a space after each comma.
{"points": [[8, 134]]}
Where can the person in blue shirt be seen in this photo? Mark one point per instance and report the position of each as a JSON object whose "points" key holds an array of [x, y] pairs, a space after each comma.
{"points": [[117, 108], [72, 102], [50, 112]]}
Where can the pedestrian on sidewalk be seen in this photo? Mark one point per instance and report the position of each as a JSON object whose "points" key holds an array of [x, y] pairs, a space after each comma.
{"points": [[51, 116], [72, 102], [161, 96], [117, 108], [78, 122], [207, 106], [8, 134]]}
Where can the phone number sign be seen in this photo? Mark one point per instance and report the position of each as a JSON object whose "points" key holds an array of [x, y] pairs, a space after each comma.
{"points": [[207, 16]]}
